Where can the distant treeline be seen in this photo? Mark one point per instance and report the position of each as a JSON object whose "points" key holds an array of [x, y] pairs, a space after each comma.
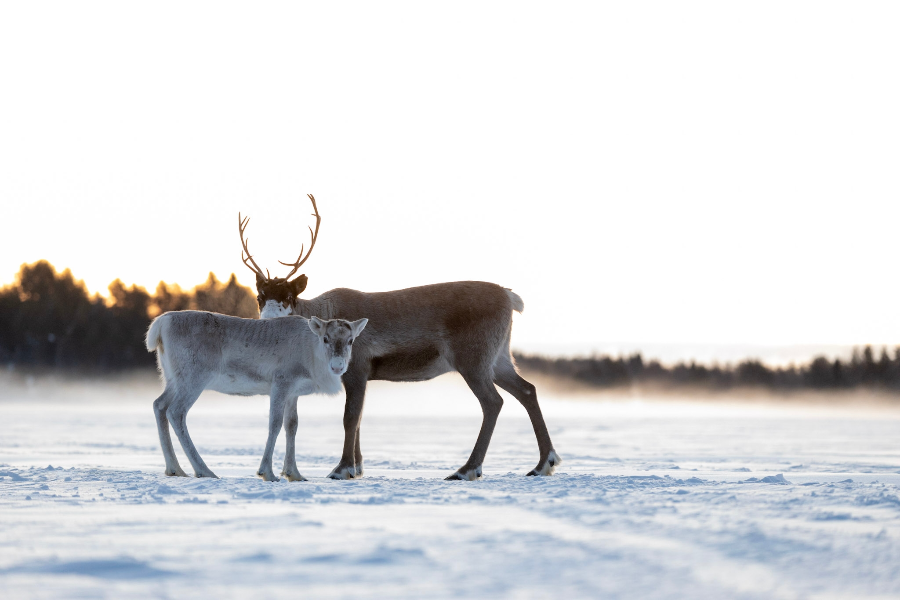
{"points": [[863, 369], [48, 319]]}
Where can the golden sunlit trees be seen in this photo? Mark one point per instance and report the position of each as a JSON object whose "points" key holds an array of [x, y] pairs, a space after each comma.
{"points": [[48, 319], [229, 299]]}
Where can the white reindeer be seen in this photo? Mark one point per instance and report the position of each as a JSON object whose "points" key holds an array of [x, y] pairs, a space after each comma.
{"points": [[283, 358]]}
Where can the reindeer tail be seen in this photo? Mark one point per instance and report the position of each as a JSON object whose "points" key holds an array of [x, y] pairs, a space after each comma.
{"points": [[517, 303], [154, 334]]}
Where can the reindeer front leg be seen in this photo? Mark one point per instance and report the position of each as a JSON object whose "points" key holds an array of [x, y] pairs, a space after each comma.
{"points": [[290, 430], [351, 465], [277, 399]]}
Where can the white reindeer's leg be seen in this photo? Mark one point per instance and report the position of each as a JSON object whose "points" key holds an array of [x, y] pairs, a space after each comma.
{"points": [[165, 439], [177, 414], [277, 400], [290, 470]]}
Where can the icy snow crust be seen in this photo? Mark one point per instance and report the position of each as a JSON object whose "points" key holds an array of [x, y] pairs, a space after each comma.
{"points": [[653, 500]]}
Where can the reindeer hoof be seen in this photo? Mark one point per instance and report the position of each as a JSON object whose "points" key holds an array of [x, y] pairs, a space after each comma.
{"points": [[267, 476], [209, 475], [176, 473], [340, 472], [469, 475], [295, 476], [548, 466]]}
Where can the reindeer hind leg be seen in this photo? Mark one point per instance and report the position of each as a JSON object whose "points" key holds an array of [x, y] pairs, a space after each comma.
{"points": [[506, 377], [183, 400], [491, 403], [160, 405]]}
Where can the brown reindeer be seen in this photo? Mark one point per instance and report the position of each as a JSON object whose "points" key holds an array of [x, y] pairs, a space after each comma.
{"points": [[415, 334]]}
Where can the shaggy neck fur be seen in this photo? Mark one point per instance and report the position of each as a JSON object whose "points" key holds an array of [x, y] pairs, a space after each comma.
{"points": [[325, 380]]}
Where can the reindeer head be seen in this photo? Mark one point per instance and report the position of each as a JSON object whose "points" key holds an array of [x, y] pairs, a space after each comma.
{"points": [[276, 295], [336, 340]]}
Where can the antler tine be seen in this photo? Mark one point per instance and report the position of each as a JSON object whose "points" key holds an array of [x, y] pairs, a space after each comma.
{"points": [[242, 225], [314, 235]]}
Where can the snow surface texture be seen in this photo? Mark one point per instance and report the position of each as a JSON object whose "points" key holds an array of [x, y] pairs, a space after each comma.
{"points": [[653, 500]]}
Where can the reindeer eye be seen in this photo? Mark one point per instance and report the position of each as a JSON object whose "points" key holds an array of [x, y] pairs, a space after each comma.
{"points": [[350, 343], [326, 340]]}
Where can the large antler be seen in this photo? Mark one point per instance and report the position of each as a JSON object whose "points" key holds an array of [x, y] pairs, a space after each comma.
{"points": [[242, 225], [302, 259]]}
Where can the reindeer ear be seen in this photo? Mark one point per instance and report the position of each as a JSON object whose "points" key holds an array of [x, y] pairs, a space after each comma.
{"points": [[317, 326], [358, 326], [259, 281], [298, 285]]}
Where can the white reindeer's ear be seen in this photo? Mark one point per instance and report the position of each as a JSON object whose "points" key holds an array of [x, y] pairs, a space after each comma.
{"points": [[317, 326], [358, 326]]}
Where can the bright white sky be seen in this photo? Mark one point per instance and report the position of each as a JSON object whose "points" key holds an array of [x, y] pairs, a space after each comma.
{"points": [[669, 173]]}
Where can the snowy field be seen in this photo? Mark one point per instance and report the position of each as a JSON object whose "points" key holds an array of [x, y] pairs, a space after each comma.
{"points": [[655, 499]]}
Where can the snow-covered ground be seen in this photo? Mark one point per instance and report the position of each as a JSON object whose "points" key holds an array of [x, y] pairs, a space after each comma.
{"points": [[655, 499]]}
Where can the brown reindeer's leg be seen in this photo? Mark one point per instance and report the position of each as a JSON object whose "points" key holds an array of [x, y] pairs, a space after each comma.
{"points": [[355, 384], [506, 377], [357, 454], [491, 403]]}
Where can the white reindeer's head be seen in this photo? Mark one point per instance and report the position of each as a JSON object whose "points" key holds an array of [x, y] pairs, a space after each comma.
{"points": [[336, 340]]}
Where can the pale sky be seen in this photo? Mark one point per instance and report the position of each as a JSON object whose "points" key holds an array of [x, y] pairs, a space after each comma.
{"points": [[649, 173]]}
